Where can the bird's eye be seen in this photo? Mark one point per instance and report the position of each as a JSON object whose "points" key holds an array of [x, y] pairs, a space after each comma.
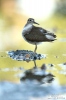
{"points": [[30, 20]]}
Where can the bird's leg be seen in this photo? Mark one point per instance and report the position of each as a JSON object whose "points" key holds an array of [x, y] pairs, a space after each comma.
{"points": [[35, 48], [34, 55], [35, 64]]}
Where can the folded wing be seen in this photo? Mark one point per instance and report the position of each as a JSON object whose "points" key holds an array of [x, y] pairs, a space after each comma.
{"points": [[38, 34]]}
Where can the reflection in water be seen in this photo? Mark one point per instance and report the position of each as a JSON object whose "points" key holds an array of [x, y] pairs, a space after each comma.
{"points": [[31, 91], [36, 86], [38, 74], [35, 83], [12, 70]]}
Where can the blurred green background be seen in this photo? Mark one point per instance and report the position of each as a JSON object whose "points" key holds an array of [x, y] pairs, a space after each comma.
{"points": [[50, 14]]}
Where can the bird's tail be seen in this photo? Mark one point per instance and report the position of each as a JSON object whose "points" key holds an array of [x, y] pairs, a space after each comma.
{"points": [[51, 36]]}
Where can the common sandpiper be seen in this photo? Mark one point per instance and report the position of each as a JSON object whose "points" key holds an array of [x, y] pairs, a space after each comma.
{"points": [[36, 35]]}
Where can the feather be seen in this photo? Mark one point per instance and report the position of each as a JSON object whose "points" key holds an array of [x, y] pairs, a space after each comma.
{"points": [[38, 34]]}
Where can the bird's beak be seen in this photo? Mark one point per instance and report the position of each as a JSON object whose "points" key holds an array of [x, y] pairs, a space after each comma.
{"points": [[36, 23]]}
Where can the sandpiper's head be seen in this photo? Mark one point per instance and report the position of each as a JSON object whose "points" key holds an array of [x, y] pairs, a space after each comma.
{"points": [[31, 21]]}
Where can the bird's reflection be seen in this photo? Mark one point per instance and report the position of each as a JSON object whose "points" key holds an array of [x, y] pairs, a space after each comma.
{"points": [[35, 64], [38, 74], [35, 73]]}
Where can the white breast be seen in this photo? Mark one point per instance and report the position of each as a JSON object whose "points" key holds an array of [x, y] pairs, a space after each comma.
{"points": [[26, 30], [27, 27]]}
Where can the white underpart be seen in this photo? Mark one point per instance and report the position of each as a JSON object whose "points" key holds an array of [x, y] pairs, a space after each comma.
{"points": [[26, 28], [50, 37]]}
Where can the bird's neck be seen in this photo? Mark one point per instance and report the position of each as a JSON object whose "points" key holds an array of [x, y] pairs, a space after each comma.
{"points": [[27, 27]]}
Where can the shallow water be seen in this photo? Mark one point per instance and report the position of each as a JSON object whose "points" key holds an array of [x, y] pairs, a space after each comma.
{"points": [[31, 91], [11, 67], [11, 70]]}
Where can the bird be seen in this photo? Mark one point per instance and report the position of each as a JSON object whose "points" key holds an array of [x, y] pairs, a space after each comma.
{"points": [[35, 35]]}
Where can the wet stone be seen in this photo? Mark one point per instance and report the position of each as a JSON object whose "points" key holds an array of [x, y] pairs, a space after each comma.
{"points": [[25, 55]]}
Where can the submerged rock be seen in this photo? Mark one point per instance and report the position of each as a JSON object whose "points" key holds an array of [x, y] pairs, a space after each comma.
{"points": [[25, 55]]}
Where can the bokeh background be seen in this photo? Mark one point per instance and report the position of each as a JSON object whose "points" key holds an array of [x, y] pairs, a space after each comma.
{"points": [[51, 15]]}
